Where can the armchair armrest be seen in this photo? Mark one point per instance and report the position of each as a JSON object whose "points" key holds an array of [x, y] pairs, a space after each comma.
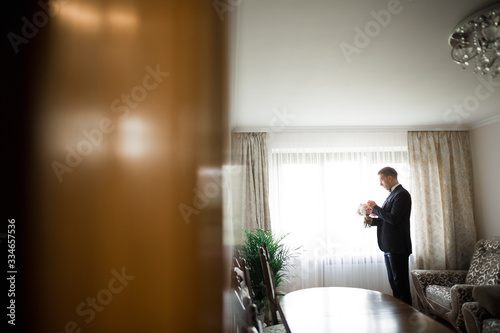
{"points": [[422, 278], [460, 294], [474, 315]]}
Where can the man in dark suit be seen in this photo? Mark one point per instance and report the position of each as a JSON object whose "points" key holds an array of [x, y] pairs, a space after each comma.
{"points": [[393, 232]]}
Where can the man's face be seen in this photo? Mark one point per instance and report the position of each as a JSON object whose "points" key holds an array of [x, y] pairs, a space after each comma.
{"points": [[386, 182]]}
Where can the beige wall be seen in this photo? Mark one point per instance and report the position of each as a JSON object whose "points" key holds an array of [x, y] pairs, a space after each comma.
{"points": [[486, 164]]}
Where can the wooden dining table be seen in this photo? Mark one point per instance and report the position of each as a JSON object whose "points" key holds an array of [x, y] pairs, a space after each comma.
{"points": [[354, 310]]}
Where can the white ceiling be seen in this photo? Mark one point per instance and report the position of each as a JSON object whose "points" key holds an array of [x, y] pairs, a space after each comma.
{"points": [[287, 57]]}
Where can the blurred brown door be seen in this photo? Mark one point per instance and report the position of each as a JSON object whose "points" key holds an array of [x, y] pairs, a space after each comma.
{"points": [[121, 214]]}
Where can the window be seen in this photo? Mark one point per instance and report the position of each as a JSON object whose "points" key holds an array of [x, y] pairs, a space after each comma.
{"points": [[315, 191]]}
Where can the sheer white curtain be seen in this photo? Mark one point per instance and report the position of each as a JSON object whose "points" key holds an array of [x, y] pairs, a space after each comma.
{"points": [[317, 181]]}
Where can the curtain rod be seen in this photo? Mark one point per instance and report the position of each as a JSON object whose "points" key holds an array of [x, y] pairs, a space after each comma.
{"points": [[244, 129]]}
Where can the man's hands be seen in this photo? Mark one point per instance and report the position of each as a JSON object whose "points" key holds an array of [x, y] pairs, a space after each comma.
{"points": [[371, 203]]}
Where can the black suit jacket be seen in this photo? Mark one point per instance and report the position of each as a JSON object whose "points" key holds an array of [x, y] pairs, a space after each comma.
{"points": [[393, 222]]}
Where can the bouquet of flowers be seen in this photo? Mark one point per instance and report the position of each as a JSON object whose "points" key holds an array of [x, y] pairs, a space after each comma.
{"points": [[365, 211]]}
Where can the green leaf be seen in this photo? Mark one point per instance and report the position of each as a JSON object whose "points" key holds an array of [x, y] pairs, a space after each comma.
{"points": [[281, 258]]}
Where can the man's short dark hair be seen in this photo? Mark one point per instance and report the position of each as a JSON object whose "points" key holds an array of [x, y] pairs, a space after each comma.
{"points": [[388, 171]]}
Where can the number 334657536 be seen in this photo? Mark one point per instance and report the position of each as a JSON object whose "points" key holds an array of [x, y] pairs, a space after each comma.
{"points": [[11, 227]]}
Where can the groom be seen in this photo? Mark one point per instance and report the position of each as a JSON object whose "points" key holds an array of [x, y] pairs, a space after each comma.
{"points": [[393, 232]]}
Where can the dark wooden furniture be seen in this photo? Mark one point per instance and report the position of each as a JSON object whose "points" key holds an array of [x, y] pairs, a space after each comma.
{"points": [[241, 264], [271, 290], [245, 314], [243, 310], [353, 310]]}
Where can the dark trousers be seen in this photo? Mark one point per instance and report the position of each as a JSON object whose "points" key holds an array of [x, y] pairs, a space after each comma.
{"points": [[398, 273]]}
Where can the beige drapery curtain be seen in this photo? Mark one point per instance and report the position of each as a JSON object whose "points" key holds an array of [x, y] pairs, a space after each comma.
{"points": [[251, 182], [442, 208]]}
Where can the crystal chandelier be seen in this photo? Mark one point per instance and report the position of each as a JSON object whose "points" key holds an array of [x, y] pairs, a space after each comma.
{"points": [[475, 41]]}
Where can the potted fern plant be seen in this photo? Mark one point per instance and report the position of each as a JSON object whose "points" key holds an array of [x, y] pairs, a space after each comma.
{"points": [[281, 258]]}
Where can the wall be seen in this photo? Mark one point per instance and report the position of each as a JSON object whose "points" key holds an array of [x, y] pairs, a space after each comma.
{"points": [[486, 165]]}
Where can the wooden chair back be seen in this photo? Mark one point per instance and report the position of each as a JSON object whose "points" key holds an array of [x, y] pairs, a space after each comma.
{"points": [[245, 314], [271, 289], [244, 311], [241, 270], [246, 277]]}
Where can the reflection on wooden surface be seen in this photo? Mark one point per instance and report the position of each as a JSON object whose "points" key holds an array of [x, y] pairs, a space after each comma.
{"points": [[353, 310], [128, 104]]}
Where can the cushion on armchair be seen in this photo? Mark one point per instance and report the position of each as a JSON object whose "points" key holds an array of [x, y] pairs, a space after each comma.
{"points": [[439, 294]]}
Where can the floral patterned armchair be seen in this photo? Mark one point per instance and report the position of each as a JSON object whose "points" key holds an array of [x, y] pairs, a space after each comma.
{"points": [[443, 292], [483, 315]]}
